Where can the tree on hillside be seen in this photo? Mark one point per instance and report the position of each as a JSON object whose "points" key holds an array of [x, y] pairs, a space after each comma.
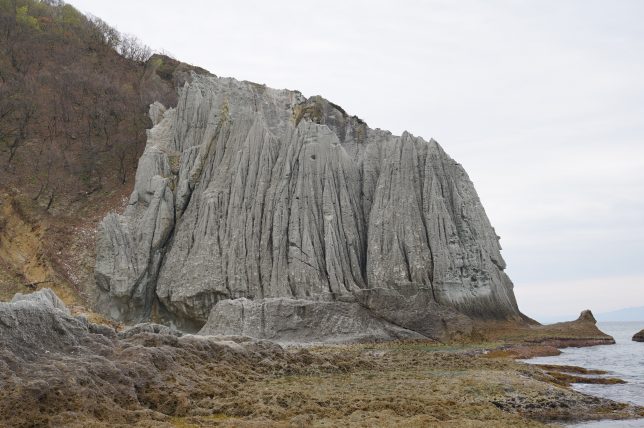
{"points": [[70, 102], [132, 48]]}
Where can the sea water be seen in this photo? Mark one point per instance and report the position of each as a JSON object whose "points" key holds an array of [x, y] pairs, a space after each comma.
{"points": [[624, 359]]}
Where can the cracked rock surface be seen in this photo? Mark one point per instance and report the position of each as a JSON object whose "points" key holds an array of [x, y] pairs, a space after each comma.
{"points": [[247, 192]]}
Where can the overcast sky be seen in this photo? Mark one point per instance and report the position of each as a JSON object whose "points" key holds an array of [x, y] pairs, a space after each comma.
{"points": [[542, 101]]}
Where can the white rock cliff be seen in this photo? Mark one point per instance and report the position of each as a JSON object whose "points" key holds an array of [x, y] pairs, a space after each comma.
{"points": [[300, 212]]}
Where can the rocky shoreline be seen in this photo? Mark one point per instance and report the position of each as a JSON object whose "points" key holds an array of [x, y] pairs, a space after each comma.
{"points": [[62, 370]]}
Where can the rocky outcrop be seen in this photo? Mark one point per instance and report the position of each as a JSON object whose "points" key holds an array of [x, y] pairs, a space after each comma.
{"points": [[44, 298], [130, 246], [581, 332], [246, 192], [148, 327], [587, 316], [293, 321], [39, 324], [60, 370], [369, 315], [416, 311], [639, 336]]}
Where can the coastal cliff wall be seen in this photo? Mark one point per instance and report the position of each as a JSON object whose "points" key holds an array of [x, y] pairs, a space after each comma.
{"points": [[251, 193]]}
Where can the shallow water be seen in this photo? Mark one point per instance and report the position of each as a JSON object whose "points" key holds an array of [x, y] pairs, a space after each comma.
{"points": [[636, 423], [624, 360]]}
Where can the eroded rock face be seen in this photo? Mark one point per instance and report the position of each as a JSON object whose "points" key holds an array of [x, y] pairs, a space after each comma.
{"points": [[415, 309], [36, 324], [246, 192], [292, 321]]}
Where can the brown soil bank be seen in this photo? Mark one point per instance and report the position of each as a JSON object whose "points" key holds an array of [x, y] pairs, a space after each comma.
{"points": [[60, 370]]}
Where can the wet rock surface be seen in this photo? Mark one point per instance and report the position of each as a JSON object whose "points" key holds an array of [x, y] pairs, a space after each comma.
{"points": [[244, 191]]}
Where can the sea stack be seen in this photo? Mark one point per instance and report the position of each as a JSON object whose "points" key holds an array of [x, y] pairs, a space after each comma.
{"points": [[639, 336], [261, 212]]}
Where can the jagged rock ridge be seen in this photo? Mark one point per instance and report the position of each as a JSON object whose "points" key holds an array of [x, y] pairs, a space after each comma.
{"points": [[244, 191]]}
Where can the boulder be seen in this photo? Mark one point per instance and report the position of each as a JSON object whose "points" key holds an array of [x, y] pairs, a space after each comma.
{"points": [[148, 328], [38, 324], [301, 321], [639, 336], [44, 297]]}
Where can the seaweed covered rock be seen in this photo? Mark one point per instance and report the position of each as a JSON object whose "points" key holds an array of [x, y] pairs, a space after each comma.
{"points": [[59, 370]]}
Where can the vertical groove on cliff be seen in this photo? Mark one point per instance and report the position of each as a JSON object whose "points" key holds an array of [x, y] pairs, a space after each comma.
{"points": [[280, 196]]}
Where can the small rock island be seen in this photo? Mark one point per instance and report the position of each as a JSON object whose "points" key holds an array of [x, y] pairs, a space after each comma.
{"points": [[639, 336]]}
